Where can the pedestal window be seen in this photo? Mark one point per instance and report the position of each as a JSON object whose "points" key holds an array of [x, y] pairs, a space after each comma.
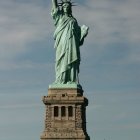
{"points": [[63, 111], [56, 111], [70, 111]]}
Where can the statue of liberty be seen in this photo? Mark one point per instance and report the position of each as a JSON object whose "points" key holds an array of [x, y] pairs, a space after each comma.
{"points": [[68, 36]]}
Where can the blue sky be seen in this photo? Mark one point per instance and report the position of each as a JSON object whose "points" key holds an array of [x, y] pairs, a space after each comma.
{"points": [[109, 70]]}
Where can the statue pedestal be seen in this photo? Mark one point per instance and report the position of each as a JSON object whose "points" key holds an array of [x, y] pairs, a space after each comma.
{"points": [[65, 114]]}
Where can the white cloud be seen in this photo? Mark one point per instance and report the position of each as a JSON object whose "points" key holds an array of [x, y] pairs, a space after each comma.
{"points": [[21, 23], [113, 24], [111, 21]]}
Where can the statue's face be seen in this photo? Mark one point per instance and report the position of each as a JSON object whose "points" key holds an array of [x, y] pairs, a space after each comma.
{"points": [[66, 7]]}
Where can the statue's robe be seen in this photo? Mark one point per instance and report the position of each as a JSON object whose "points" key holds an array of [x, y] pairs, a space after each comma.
{"points": [[67, 42]]}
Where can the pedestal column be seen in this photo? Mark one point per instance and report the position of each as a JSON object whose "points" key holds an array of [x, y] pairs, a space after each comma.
{"points": [[65, 115]]}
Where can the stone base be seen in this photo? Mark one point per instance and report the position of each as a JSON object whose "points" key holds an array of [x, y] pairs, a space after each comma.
{"points": [[71, 135], [64, 92], [65, 115], [65, 139]]}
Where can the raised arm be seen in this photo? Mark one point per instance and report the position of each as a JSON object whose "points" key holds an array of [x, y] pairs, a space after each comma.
{"points": [[54, 4]]}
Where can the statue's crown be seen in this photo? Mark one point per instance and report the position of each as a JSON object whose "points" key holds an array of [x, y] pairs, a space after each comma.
{"points": [[65, 1]]}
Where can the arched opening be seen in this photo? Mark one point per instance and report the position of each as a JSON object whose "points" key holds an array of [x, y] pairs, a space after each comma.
{"points": [[63, 111], [56, 111], [70, 111]]}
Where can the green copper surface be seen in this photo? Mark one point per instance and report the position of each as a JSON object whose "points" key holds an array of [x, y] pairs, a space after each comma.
{"points": [[68, 36]]}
